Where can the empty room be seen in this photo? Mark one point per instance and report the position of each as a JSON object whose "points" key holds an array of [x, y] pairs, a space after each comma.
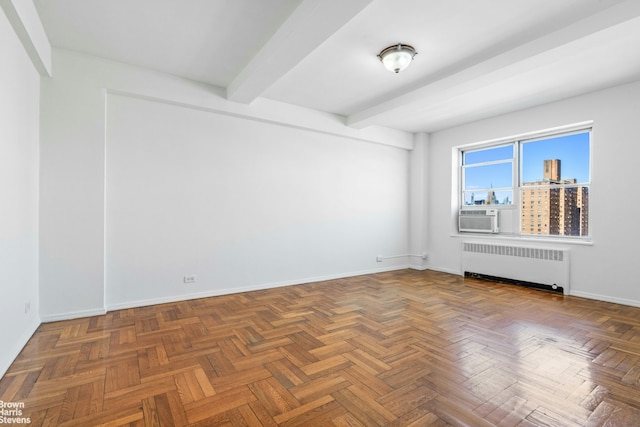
{"points": [[319, 213]]}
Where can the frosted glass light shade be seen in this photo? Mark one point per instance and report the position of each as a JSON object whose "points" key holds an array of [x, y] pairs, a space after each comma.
{"points": [[397, 57]]}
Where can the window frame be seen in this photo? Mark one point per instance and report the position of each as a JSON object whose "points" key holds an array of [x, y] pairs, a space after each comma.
{"points": [[463, 169], [515, 208]]}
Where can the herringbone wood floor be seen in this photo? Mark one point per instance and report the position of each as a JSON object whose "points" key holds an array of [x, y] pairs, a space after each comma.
{"points": [[401, 348]]}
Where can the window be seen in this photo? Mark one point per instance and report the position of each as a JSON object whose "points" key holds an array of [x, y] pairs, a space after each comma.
{"points": [[487, 176], [543, 180]]}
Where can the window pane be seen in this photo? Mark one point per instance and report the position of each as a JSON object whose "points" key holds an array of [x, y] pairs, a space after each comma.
{"points": [[555, 210], [504, 152], [488, 176], [557, 159], [552, 203], [475, 198]]}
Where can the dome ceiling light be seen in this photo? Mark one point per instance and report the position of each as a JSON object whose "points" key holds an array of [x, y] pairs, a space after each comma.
{"points": [[397, 57]]}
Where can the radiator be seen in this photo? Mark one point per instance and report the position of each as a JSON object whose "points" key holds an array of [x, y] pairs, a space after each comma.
{"points": [[548, 267]]}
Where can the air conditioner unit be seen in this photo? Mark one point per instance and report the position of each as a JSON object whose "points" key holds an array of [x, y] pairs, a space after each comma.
{"points": [[478, 220]]}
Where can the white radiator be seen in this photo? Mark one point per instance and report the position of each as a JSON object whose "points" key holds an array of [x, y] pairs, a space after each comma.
{"points": [[545, 266]]}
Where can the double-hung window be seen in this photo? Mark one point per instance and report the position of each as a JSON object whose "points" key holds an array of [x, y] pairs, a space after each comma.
{"points": [[542, 181], [487, 176]]}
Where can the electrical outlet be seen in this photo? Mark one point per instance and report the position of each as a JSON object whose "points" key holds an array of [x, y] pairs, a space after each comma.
{"points": [[425, 256], [190, 278], [27, 307], [379, 258]]}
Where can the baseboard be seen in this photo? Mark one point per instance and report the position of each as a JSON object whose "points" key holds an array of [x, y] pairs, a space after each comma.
{"points": [[605, 298], [11, 353], [47, 318], [588, 295], [258, 287], [228, 291], [446, 270]]}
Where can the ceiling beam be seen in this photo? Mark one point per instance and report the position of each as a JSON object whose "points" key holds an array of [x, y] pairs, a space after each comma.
{"points": [[310, 24], [495, 69], [26, 23]]}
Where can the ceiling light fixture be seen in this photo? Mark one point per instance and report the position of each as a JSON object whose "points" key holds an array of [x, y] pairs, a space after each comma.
{"points": [[397, 57]]}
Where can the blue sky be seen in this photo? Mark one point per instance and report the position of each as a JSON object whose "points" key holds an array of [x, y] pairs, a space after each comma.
{"points": [[572, 150]]}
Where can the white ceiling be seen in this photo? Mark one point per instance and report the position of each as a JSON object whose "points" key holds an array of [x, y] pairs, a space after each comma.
{"points": [[476, 58]]}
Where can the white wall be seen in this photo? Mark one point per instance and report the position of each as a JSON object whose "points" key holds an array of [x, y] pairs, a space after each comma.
{"points": [[19, 86], [71, 195], [243, 196], [604, 270], [418, 202], [241, 204]]}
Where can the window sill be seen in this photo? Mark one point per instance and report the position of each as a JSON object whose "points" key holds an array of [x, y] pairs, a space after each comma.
{"points": [[514, 238]]}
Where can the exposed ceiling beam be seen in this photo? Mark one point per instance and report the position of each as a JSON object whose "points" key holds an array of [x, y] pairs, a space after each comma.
{"points": [[495, 69], [26, 23], [310, 24]]}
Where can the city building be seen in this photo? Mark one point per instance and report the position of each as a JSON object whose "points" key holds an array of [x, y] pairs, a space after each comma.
{"points": [[554, 206]]}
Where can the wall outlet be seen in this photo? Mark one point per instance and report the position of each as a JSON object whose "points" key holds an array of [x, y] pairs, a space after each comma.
{"points": [[425, 256], [189, 278], [379, 258], [27, 307]]}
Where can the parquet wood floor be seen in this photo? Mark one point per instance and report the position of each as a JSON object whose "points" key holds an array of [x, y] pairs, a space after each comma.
{"points": [[404, 348]]}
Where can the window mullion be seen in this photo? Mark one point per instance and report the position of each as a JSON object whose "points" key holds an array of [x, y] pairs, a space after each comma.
{"points": [[557, 180]]}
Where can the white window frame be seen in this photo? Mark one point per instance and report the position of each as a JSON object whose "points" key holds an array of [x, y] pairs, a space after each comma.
{"points": [[463, 169], [515, 208]]}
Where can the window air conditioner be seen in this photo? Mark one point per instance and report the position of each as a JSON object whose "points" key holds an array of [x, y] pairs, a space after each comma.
{"points": [[478, 220]]}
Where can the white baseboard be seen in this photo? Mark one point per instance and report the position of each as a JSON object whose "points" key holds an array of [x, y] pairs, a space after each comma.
{"points": [[9, 355], [589, 295], [446, 270], [258, 287], [228, 291], [46, 318]]}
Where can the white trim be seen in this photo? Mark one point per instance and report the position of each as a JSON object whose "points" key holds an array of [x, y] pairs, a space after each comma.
{"points": [[605, 298], [577, 241], [72, 315], [11, 354], [383, 257], [104, 196], [445, 270], [573, 293], [258, 287], [574, 127]]}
